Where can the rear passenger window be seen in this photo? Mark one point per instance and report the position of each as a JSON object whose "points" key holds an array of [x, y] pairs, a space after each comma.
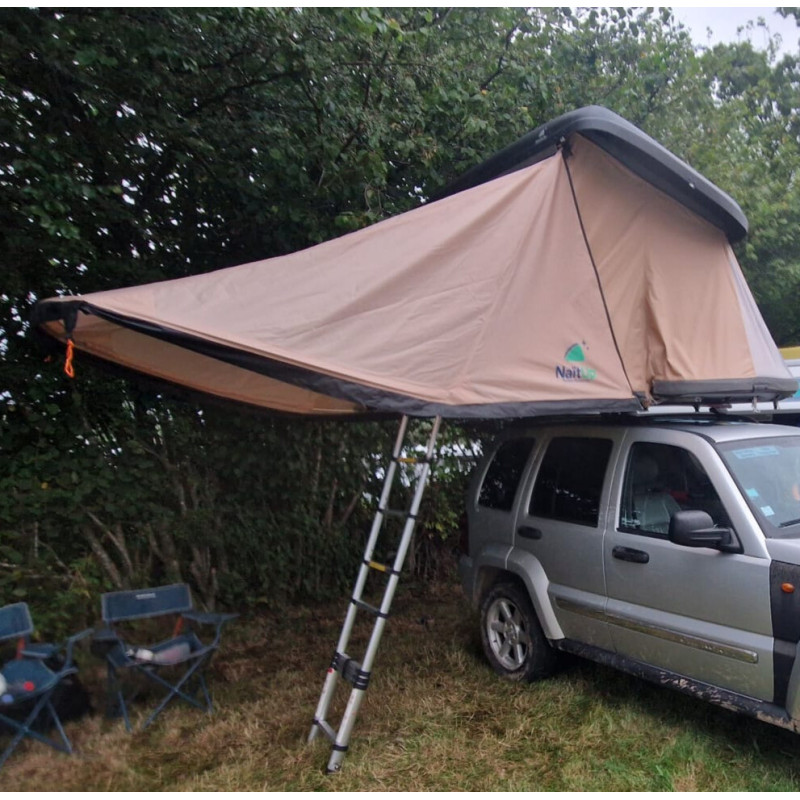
{"points": [[504, 474], [570, 480]]}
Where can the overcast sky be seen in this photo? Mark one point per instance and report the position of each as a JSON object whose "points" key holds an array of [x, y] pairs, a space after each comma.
{"points": [[725, 21]]}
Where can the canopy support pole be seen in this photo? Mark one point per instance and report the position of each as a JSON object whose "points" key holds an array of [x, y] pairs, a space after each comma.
{"points": [[355, 673]]}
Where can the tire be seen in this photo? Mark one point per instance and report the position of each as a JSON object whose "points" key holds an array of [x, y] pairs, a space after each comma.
{"points": [[512, 637]]}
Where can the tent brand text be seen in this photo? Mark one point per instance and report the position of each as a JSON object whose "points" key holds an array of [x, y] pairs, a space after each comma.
{"points": [[575, 373]]}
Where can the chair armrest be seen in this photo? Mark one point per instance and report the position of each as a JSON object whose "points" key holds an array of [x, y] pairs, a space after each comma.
{"points": [[41, 651], [70, 643], [208, 618], [104, 641]]}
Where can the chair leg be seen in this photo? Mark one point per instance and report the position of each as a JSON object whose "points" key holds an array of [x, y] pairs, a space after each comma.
{"points": [[175, 691], [191, 684], [59, 727], [115, 702], [20, 735], [201, 679], [24, 729], [197, 686]]}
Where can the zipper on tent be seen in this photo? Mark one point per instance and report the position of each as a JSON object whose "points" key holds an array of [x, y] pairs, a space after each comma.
{"points": [[358, 673]]}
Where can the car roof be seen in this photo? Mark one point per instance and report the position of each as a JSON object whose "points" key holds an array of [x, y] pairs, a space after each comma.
{"points": [[733, 431], [709, 427]]}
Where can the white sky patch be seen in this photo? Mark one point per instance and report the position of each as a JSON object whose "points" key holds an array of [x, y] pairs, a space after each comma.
{"points": [[724, 23]]}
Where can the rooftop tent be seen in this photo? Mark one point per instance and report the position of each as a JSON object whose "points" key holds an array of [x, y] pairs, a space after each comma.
{"points": [[584, 267]]}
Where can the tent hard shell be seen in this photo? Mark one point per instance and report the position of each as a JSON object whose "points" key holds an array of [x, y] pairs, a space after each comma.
{"points": [[583, 268]]}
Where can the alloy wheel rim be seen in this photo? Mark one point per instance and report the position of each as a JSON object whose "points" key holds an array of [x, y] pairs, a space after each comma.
{"points": [[508, 638]]}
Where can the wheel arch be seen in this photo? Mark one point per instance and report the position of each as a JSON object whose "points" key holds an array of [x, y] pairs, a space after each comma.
{"points": [[512, 636], [522, 568]]}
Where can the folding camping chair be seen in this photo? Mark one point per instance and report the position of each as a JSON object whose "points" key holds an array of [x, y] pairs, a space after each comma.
{"points": [[183, 652], [28, 683]]}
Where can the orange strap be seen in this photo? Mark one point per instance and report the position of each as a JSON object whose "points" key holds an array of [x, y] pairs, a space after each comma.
{"points": [[68, 368]]}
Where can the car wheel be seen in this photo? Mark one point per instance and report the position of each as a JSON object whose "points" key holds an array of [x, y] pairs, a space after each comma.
{"points": [[512, 638]]}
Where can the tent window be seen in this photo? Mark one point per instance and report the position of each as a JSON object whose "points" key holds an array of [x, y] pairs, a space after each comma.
{"points": [[504, 474], [570, 480]]}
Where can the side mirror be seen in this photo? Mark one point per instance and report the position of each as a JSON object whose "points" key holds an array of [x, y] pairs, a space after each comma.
{"points": [[696, 529]]}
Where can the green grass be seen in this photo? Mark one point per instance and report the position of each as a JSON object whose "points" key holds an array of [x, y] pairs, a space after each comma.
{"points": [[434, 718]]}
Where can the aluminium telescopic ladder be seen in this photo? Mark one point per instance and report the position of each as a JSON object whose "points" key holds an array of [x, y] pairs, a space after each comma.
{"points": [[355, 673]]}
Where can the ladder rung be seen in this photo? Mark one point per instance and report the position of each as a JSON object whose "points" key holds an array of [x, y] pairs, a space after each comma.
{"points": [[367, 607], [412, 460], [396, 512], [326, 729], [381, 567]]}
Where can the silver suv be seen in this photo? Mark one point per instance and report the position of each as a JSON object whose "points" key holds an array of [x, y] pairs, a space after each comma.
{"points": [[669, 549]]}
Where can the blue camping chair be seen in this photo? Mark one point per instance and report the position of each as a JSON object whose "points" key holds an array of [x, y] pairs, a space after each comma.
{"points": [[183, 655], [28, 682]]}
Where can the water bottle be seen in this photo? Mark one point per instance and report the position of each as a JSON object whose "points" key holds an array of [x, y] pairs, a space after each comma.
{"points": [[140, 654]]}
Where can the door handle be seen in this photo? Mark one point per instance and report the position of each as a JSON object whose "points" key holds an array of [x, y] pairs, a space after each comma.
{"points": [[629, 554], [526, 532]]}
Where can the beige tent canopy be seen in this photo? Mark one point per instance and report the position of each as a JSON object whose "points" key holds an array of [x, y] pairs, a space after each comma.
{"points": [[585, 267]]}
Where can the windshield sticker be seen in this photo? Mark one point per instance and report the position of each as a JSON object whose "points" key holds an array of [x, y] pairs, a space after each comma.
{"points": [[757, 452], [767, 511], [752, 493]]}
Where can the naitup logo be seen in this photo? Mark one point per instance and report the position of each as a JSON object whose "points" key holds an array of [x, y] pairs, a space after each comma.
{"points": [[573, 369]]}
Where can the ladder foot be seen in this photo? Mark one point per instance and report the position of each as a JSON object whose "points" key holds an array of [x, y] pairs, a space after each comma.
{"points": [[336, 759]]}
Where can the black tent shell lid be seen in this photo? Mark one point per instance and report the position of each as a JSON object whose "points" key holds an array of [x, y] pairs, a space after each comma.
{"points": [[630, 146]]}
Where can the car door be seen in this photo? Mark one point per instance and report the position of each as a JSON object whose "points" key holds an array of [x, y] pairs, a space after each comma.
{"points": [[561, 522], [697, 612]]}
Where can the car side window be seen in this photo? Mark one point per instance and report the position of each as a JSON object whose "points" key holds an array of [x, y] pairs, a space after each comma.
{"points": [[504, 474], [661, 479], [570, 480]]}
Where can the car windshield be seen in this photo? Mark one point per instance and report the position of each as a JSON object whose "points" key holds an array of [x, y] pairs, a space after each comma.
{"points": [[768, 473]]}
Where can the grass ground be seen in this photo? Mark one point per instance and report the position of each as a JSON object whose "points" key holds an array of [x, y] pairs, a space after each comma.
{"points": [[435, 718]]}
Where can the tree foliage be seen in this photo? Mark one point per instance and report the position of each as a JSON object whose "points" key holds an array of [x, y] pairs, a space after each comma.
{"points": [[147, 144]]}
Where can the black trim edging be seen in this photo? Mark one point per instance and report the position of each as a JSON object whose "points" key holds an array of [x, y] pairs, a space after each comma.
{"points": [[370, 398]]}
